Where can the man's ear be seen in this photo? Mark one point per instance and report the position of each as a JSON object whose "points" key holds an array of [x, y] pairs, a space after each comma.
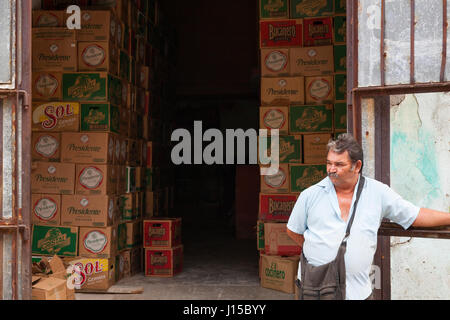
{"points": [[358, 166]]}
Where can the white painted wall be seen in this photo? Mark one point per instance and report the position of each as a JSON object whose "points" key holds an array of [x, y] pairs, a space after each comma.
{"points": [[420, 172]]}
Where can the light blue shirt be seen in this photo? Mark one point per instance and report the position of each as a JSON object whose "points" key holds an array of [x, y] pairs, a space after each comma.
{"points": [[317, 216]]}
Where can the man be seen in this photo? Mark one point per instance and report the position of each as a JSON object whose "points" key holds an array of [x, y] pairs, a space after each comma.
{"points": [[319, 218]]}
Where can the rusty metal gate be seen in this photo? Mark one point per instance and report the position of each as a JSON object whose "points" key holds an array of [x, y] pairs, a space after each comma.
{"points": [[15, 128]]}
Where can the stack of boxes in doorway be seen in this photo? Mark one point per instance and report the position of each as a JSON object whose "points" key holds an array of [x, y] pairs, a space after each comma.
{"points": [[303, 95], [98, 98]]}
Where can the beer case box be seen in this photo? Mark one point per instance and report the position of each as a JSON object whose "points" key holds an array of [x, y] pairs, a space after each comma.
{"points": [[122, 266], [340, 87], [282, 91], [46, 209], [124, 66], [340, 6], [134, 234], [149, 205], [88, 211], [276, 207], [48, 288], [149, 154], [340, 58], [281, 33], [143, 76], [54, 49], [163, 262], [340, 117], [95, 179], [93, 274], [52, 177], [51, 240], [133, 259], [275, 62], [128, 206], [122, 236], [121, 180], [311, 8], [162, 232], [303, 176], [98, 56], [99, 117], [46, 86], [62, 4], [46, 146], [311, 119], [275, 117], [317, 32], [311, 61], [56, 116], [48, 18], [98, 242], [319, 89], [140, 178], [87, 147], [278, 182], [277, 241], [340, 29], [289, 149], [273, 9], [97, 25], [260, 235], [117, 159], [315, 148], [278, 273], [130, 179]]}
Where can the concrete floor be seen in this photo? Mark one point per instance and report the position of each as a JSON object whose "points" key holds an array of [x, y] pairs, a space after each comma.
{"points": [[216, 267]]}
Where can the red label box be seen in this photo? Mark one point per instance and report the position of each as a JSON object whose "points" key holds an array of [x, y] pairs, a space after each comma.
{"points": [[163, 262], [162, 233], [276, 207], [281, 33], [317, 31]]}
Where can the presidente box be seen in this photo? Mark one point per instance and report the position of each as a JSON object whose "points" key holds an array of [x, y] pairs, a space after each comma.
{"points": [[46, 209], [275, 62], [319, 89], [276, 207], [289, 149], [162, 232], [302, 176], [95, 179], [98, 242], [47, 86], [281, 33], [276, 117], [48, 18], [93, 274], [98, 56], [97, 25], [269, 9], [88, 211], [163, 262], [87, 147], [51, 240], [277, 241], [315, 148], [282, 91], [310, 119], [52, 177], [311, 61], [278, 182], [56, 116], [46, 146], [317, 31], [278, 273], [99, 117]]}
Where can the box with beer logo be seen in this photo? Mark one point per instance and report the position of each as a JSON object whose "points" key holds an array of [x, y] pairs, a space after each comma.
{"points": [[311, 8], [277, 241], [311, 61], [289, 149], [278, 273], [46, 209], [97, 25], [281, 33], [134, 233], [340, 117], [122, 236], [95, 179], [278, 182], [276, 117], [54, 49], [319, 89], [303, 176], [99, 117], [128, 206], [47, 86], [163, 262], [52, 177], [48, 18], [311, 119], [315, 148], [260, 235], [98, 56], [317, 32], [282, 91], [46, 146], [93, 274], [340, 58], [51, 240], [56, 116], [87, 147], [340, 87], [275, 62], [162, 232], [98, 242], [89, 211], [340, 29], [269, 9], [276, 207]]}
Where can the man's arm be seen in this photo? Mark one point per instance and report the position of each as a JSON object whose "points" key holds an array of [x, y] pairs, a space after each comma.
{"points": [[298, 238], [431, 218]]}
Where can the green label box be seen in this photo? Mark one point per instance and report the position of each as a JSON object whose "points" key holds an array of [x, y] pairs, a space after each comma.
{"points": [[340, 6], [62, 241], [340, 29], [274, 9], [311, 8], [303, 176], [310, 119], [340, 87], [340, 58], [340, 116], [290, 149], [99, 117], [121, 236], [260, 235]]}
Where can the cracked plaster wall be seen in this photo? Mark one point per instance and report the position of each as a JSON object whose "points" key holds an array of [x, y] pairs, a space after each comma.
{"points": [[420, 172]]}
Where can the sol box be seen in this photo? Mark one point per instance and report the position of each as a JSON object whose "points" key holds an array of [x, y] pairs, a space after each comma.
{"points": [[45, 146], [281, 33], [56, 116], [46, 86], [162, 232], [282, 91], [52, 177], [274, 118], [278, 273], [277, 183], [93, 179], [98, 242], [51, 240], [88, 147], [46, 209], [277, 241], [163, 262], [93, 274], [276, 207], [89, 211]]}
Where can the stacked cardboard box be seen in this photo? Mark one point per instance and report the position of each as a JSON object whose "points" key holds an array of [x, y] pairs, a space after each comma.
{"points": [[303, 95]]}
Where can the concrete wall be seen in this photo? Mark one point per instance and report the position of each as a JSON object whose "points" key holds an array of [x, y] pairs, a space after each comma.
{"points": [[420, 172]]}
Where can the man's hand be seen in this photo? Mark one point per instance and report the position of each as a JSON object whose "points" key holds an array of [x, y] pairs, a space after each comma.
{"points": [[298, 238], [431, 218]]}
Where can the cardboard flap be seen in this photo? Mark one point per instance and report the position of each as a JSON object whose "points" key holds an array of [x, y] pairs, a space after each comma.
{"points": [[47, 284], [57, 265]]}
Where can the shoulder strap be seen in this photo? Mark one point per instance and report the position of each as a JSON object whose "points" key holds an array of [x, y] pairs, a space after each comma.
{"points": [[358, 194]]}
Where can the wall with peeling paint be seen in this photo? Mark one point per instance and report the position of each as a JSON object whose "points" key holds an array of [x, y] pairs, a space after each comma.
{"points": [[420, 172]]}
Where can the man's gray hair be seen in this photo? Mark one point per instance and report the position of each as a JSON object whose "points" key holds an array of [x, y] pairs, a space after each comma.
{"points": [[346, 142]]}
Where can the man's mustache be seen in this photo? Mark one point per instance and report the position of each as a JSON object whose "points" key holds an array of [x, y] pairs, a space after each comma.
{"points": [[333, 175]]}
